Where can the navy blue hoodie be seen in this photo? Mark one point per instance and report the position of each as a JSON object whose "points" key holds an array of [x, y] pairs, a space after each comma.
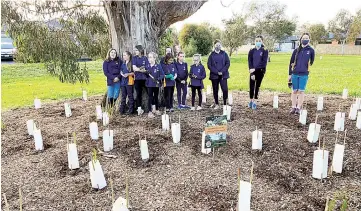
{"points": [[111, 70], [218, 62], [200, 72], [157, 72], [182, 71], [257, 59], [305, 59], [139, 62]]}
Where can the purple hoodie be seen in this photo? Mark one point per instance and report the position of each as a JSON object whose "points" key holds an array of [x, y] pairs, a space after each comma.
{"points": [[111, 70], [198, 71], [257, 59], [218, 62], [305, 59], [140, 61]]}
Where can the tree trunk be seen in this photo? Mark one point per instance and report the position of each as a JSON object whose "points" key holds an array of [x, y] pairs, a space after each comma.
{"points": [[142, 23]]}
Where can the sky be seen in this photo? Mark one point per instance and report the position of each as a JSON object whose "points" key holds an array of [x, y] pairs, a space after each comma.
{"points": [[311, 11]]}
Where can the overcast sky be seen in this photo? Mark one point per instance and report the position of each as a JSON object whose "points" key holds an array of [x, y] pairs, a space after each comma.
{"points": [[312, 11]]}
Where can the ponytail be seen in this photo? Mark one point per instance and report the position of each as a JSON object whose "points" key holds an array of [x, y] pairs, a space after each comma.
{"points": [[299, 49], [129, 64]]}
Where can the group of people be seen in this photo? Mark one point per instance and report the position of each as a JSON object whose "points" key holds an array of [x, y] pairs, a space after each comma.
{"points": [[140, 71]]}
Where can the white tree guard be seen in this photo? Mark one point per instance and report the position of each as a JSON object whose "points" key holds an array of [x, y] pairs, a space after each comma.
{"points": [[230, 98], [204, 97], [85, 95], [165, 122], [93, 127], [204, 149], [120, 205], [275, 101], [38, 140], [144, 149], [339, 121], [244, 196], [96, 175], [73, 160], [344, 94], [67, 110], [108, 140], [37, 103], [30, 126], [257, 140], [209, 90], [227, 111], [105, 118], [320, 103], [303, 117], [337, 159], [320, 164], [358, 123], [176, 132], [353, 112], [313, 132], [99, 113]]}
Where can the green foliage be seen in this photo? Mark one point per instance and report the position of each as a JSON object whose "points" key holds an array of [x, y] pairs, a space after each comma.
{"points": [[338, 198], [235, 33], [317, 32], [271, 22], [58, 43], [355, 28], [168, 39], [340, 25], [190, 49], [201, 35]]}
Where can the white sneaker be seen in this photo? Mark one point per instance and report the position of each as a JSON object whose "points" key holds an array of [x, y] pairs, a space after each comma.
{"points": [[140, 111], [193, 109], [150, 115], [199, 108], [216, 107]]}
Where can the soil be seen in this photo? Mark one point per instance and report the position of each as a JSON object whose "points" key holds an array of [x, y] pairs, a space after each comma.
{"points": [[178, 176]]}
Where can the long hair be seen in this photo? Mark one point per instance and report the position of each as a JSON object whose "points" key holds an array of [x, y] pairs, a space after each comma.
{"points": [[129, 64], [108, 59], [167, 57], [299, 48], [155, 56]]}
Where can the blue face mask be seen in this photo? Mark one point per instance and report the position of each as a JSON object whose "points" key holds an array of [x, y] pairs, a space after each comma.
{"points": [[305, 42], [258, 44]]}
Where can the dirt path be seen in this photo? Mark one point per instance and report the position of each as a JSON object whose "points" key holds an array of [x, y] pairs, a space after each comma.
{"points": [[178, 177]]}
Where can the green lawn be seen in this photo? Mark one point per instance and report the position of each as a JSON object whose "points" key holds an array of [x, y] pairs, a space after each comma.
{"points": [[21, 83]]}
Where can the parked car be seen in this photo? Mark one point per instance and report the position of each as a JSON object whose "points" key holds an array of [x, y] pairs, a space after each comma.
{"points": [[8, 51]]}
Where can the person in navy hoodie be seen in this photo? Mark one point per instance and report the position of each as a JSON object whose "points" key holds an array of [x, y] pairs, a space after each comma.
{"points": [[170, 73], [197, 74], [127, 83], [139, 62], [181, 81], [155, 76], [301, 60], [257, 62], [218, 64], [111, 69]]}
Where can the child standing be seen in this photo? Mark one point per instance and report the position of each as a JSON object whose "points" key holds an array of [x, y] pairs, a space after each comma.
{"points": [[197, 73], [139, 62], [257, 62], [169, 81], [127, 83], [111, 69], [181, 82], [154, 80]]}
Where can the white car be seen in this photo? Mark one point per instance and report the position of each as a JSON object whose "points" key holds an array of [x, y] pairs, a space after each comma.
{"points": [[8, 51]]}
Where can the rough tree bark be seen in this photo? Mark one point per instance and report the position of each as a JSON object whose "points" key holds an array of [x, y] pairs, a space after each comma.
{"points": [[143, 22]]}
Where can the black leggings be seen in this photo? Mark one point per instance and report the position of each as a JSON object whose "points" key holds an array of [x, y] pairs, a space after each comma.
{"points": [[224, 87], [194, 89], [168, 95], [253, 91], [153, 97], [139, 84]]}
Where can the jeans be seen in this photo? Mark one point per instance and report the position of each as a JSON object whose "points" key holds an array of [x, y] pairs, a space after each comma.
{"points": [[113, 90]]}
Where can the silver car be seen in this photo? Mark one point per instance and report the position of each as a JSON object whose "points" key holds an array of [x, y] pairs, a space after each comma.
{"points": [[7, 51]]}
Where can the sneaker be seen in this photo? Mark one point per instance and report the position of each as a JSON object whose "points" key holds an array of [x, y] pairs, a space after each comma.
{"points": [[250, 104], [254, 106], [193, 109], [186, 107], [150, 115], [293, 111], [199, 108], [216, 107], [140, 112], [180, 107]]}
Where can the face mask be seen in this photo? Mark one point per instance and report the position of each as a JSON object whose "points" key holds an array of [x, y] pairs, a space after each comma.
{"points": [[305, 42], [218, 48], [258, 44]]}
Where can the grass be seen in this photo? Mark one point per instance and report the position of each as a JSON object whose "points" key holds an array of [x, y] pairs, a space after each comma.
{"points": [[21, 83]]}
